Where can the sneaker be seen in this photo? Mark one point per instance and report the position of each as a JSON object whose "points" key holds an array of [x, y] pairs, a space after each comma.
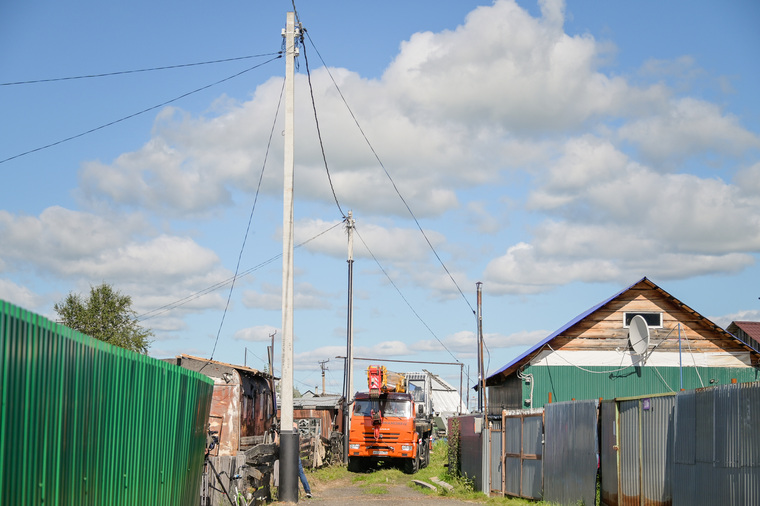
{"points": [[308, 495]]}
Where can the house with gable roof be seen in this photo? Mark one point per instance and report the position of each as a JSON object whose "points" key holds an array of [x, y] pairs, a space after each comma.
{"points": [[592, 356], [749, 332]]}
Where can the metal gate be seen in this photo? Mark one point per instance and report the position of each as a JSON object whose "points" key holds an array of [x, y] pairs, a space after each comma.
{"points": [[645, 437], [571, 452], [521, 441]]}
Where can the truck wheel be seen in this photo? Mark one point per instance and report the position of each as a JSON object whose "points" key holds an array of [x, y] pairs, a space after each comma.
{"points": [[411, 466], [425, 458], [354, 465]]}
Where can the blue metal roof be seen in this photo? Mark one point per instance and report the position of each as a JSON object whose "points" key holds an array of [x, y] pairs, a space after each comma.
{"points": [[560, 330]]}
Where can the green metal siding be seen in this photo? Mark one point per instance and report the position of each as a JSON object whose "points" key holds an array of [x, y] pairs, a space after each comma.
{"points": [[83, 422], [567, 382]]}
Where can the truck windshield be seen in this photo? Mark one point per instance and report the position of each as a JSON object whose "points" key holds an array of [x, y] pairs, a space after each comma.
{"points": [[387, 407]]}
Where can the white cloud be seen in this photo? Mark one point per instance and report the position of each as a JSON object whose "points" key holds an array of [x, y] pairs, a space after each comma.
{"points": [[383, 349], [687, 127], [306, 296], [464, 342], [19, 295], [749, 315], [522, 73], [748, 184], [270, 297], [258, 333]]}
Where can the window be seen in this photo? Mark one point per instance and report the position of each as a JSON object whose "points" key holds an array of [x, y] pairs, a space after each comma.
{"points": [[652, 319], [387, 407]]}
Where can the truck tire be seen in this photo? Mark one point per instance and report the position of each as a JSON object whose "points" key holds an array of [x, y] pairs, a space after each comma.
{"points": [[355, 465], [411, 466], [425, 457]]}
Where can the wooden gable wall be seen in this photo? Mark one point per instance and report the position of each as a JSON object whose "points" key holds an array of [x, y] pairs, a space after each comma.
{"points": [[604, 329]]}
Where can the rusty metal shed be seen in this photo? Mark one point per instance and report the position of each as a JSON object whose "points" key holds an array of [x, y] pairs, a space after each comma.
{"points": [[243, 416]]}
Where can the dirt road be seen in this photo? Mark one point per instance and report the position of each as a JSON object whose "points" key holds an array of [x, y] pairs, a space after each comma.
{"points": [[345, 493]]}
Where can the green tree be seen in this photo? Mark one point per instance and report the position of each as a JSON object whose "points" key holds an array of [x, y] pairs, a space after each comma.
{"points": [[107, 315]]}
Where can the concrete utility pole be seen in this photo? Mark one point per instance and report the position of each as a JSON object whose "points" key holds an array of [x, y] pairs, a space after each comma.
{"points": [[288, 489], [349, 337]]}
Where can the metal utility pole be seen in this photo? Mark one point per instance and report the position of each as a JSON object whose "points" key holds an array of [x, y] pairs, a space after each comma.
{"points": [[322, 365], [270, 353], [461, 373], [481, 374], [468, 388], [349, 392], [288, 437]]}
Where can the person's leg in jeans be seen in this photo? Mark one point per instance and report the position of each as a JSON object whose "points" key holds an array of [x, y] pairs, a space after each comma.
{"points": [[304, 481]]}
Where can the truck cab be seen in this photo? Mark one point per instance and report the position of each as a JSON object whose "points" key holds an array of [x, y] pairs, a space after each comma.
{"points": [[385, 427]]}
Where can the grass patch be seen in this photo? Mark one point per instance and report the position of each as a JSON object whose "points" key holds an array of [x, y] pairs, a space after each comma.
{"points": [[376, 482], [376, 490]]}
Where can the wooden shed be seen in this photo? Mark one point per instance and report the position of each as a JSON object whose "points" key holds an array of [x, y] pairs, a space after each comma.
{"points": [[592, 356], [747, 331]]}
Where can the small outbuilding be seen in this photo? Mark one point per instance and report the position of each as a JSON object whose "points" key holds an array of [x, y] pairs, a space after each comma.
{"points": [[240, 424], [747, 331]]}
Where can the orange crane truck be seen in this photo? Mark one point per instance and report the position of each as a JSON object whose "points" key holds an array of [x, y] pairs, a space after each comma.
{"points": [[389, 423]]}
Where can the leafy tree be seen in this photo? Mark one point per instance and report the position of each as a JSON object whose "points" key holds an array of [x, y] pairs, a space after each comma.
{"points": [[107, 315]]}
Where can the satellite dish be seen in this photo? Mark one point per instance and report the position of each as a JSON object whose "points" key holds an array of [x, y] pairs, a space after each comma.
{"points": [[638, 334]]}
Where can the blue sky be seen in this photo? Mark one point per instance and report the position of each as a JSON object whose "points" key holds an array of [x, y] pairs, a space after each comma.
{"points": [[555, 151]]}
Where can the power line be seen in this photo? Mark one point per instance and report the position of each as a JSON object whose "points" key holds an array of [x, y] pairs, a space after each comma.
{"points": [[82, 134], [250, 220], [122, 72], [181, 302], [402, 296], [393, 183], [316, 120]]}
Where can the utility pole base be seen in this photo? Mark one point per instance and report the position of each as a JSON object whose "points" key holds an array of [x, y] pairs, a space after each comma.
{"points": [[288, 490]]}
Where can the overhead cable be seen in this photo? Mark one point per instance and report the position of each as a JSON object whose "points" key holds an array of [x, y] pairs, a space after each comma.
{"points": [[181, 302], [111, 123], [316, 120], [250, 220], [393, 183], [402, 296], [122, 72]]}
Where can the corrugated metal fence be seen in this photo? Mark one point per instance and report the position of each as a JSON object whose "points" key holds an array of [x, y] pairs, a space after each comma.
{"points": [[717, 446], [697, 447], [86, 423], [570, 457]]}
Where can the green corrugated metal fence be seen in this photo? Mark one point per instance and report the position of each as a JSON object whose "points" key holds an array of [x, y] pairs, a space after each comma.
{"points": [[567, 382], [86, 423]]}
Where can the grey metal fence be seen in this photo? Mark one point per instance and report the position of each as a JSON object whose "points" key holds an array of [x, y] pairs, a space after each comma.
{"points": [[571, 452], [717, 446], [698, 447]]}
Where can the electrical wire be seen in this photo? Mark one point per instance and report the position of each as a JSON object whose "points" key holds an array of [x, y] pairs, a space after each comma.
{"points": [[316, 120], [402, 296], [583, 368], [181, 302], [111, 123], [393, 183], [122, 72], [250, 220], [693, 360]]}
